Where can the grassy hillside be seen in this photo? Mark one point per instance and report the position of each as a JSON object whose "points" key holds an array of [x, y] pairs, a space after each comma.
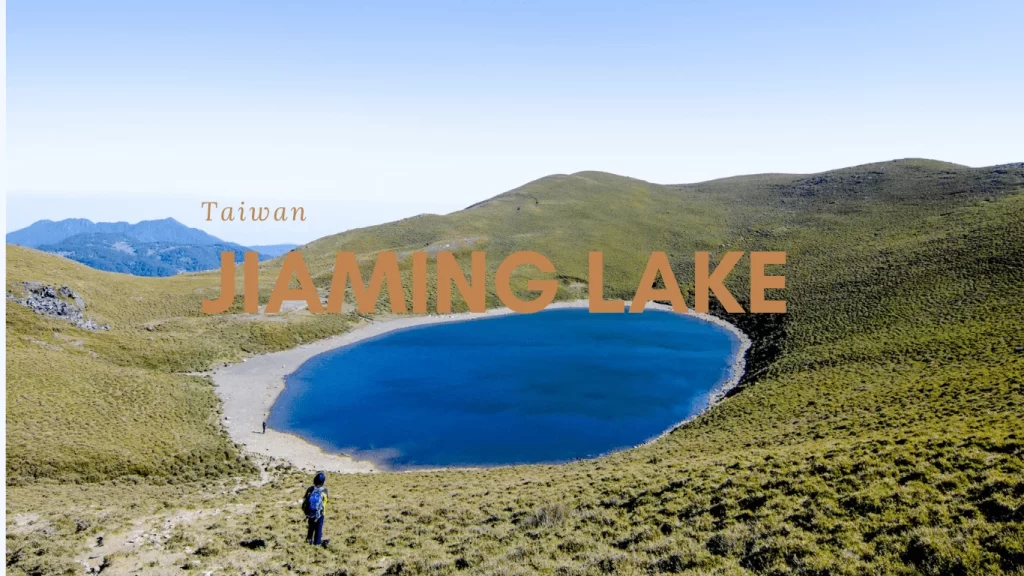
{"points": [[878, 430], [85, 405]]}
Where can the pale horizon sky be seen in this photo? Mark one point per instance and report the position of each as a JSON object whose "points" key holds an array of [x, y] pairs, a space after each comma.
{"points": [[369, 113]]}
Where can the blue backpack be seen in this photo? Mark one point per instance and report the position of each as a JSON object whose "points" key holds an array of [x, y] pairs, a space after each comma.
{"points": [[313, 505]]}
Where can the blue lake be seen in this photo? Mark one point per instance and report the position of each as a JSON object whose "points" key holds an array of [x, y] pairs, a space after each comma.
{"points": [[546, 387]]}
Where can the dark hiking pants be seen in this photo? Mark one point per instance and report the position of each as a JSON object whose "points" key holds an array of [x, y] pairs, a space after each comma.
{"points": [[315, 530]]}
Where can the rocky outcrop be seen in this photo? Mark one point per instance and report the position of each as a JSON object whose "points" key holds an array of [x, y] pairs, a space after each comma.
{"points": [[61, 303]]}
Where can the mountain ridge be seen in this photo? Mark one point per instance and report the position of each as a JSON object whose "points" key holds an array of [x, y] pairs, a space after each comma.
{"points": [[115, 252], [161, 247], [44, 232]]}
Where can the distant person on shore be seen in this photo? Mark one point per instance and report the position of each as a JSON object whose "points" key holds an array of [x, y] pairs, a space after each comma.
{"points": [[313, 505], [264, 426]]}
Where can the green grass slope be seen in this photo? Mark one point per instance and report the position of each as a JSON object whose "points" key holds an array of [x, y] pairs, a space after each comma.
{"points": [[877, 431], [84, 405]]}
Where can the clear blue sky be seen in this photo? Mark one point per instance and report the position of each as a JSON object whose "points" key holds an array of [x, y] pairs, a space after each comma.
{"points": [[373, 111]]}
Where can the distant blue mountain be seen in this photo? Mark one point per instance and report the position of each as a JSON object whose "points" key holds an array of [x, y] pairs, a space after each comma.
{"points": [[121, 253], [149, 248], [274, 250], [166, 230]]}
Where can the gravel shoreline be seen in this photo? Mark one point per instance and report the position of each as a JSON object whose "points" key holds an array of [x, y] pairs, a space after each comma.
{"points": [[249, 388]]}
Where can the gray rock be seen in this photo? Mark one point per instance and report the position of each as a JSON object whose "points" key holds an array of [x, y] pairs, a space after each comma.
{"points": [[47, 300], [67, 292]]}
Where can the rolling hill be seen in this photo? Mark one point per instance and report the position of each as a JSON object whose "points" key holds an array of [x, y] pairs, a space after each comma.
{"points": [[877, 430]]}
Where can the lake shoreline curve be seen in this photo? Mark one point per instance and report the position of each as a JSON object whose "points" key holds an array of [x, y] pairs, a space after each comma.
{"points": [[248, 389]]}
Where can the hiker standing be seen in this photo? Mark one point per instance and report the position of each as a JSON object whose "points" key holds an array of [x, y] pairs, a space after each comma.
{"points": [[264, 426], [313, 505]]}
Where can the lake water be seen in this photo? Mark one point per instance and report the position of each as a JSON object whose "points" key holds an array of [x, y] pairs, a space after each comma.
{"points": [[546, 387]]}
